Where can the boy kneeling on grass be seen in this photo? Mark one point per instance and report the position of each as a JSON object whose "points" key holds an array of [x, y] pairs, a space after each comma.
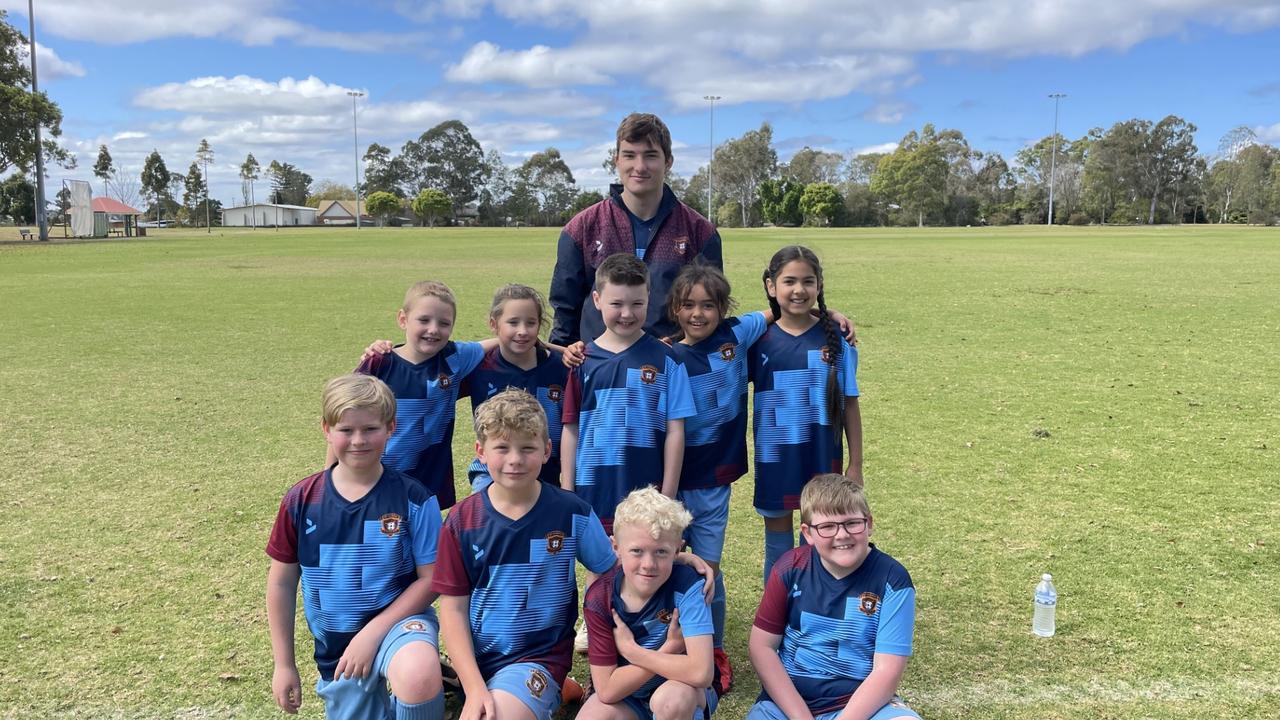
{"points": [[362, 539], [649, 626], [833, 633]]}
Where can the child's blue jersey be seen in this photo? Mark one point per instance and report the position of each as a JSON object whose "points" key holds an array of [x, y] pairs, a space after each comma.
{"points": [[715, 438], [355, 557], [795, 438], [545, 382], [426, 393], [831, 629], [520, 576], [682, 591], [622, 403]]}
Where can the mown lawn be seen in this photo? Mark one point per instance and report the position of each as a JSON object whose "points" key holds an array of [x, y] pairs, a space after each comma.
{"points": [[1096, 403]]}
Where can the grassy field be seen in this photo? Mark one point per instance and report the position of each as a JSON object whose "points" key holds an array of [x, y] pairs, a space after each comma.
{"points": [[1096, 403]]}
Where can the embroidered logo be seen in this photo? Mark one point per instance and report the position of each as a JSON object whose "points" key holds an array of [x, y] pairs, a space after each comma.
{"points": [[444, 381], [537, 683], [682, 246], [554, 393], [390, 524], [664, 616], [728, 352], [648, 374], [555, 541], [414, 626], [868, 603]]}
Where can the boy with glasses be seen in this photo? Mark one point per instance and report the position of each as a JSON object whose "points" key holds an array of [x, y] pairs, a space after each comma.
{"points": [[833, 632]]}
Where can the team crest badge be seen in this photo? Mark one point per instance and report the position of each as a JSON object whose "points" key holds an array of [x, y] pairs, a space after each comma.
{"points": [[391, 524], [555, 542], [648, 374], [682, 246], [826, 354], [414, 626], [868, 603], [664, 616], [554, 393], [444, 381], [537, 683], [728, 352]]}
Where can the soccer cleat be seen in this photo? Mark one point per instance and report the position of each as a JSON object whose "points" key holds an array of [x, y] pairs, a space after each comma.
{"points": [[723, 681], [580, 640], [572, 692]]}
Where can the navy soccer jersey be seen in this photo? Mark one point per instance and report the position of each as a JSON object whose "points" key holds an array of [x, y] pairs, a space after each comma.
{"points": [[795, 438], [520, 576], [682, 591], [831, 629], [545, 382], [426, 393], [355, 557], [715, 438], [621, 403]]}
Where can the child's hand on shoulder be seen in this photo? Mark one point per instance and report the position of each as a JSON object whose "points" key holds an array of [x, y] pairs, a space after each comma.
{"points": [[378, 347], [674, 644], [286, 687], [357, 661], [623, 637], [479, 706], [574, 354]]}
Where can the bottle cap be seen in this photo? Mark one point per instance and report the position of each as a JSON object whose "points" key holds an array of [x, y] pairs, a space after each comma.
{"points": [[1046, 577]]}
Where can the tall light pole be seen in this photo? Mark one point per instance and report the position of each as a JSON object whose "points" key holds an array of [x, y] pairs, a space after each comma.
{"points": [[355, 135], [41, 222], [1053, 161], [711, 152]]}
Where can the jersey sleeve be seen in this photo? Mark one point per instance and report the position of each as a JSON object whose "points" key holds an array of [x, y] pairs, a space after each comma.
{"points": [[597, 613], [282, 544], [695, 614], [424, 523], [469, 355], [450, 577], [771, 616], [571, 404], [375, 365], [679, 391], [749, 329], [897, 620], [594, 549], [848, 369]]}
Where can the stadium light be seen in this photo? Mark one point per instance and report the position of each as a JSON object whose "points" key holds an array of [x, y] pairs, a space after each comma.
{"points": [[1053, 162], [42, 222], [711, 151], [355, 137]]}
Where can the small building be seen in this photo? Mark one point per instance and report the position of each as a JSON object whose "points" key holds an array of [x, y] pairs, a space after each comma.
{"points": [[112, 217], [268, 215], [342, 212]]}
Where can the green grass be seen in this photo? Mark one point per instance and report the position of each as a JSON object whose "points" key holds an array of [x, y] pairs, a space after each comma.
{"points": [[161, 394]]}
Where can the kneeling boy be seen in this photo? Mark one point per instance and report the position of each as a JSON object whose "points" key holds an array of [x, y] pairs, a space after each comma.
{"points": [[648, 622], [509, 597], [362, 539], [833, 633]]}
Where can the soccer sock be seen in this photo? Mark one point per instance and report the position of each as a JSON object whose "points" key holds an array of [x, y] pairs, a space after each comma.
{"points": [[432, 709], [776, 544], [717, 612]]}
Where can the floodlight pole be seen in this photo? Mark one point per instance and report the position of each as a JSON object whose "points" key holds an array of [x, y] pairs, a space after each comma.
{"points": [[1053, 161], [41, 221], [355, 135], [208, 228], [711, 151]]}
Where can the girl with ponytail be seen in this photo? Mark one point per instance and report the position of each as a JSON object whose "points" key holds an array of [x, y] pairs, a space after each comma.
{"points": [[806, 396]]}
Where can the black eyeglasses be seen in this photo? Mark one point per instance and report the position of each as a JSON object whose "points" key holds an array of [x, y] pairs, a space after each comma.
{"points": [[829, 529]]}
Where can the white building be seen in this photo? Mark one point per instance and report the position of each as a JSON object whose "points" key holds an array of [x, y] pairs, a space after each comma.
{"points": [[268, 215]]}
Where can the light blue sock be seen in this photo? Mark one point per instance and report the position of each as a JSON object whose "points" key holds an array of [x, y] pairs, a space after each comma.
{"points": [[432, 709], [717, 612], [776, 544]]}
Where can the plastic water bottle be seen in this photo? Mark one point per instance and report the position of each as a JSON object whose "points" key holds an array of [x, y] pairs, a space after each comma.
{"points": [[1042, 623]]}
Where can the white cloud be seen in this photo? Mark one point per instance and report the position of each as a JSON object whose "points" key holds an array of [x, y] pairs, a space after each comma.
{"points": [[242, 94], [539, 66], [887, 147], [887, 112], [51, 67], [128, 135], [1268, 134]]}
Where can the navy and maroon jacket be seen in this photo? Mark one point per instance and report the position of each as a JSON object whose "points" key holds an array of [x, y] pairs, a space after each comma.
{"points": [[604, 229]]}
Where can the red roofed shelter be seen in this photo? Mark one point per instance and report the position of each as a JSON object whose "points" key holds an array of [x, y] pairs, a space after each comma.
{"points": [[113, 217]]}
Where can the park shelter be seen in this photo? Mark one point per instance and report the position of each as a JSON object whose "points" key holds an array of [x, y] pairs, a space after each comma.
{"points": [[112, 217], [268, 215], [342, 212]]}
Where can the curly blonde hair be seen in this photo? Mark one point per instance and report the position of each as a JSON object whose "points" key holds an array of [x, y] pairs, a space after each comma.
{"points": [[649, 509], [512, 411]]}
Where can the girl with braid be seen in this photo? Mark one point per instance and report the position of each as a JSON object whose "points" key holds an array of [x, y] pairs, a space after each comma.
{"points": [[806, 396]]}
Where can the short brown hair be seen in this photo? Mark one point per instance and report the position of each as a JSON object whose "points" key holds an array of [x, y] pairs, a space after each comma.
{"points": [[511, 411], [832, 494], [357, 392], [645, 127], [622, 269], [513, 291], [430, 288]]}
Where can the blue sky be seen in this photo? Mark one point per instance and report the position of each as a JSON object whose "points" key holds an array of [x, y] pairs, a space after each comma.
{"points": [[270, 77]]}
